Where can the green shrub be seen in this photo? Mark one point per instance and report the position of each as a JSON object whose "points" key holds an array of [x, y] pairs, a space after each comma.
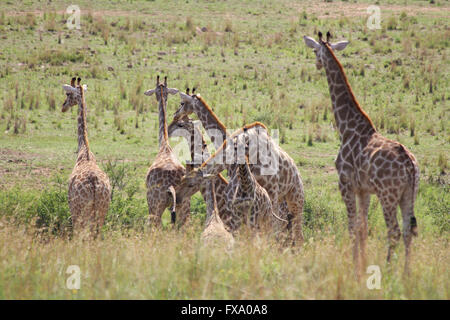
{"points": [[57, 57], [435, 203], [52, 211]]}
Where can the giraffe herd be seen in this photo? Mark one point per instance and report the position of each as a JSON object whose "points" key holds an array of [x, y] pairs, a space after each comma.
{"points": [[264, 189]]}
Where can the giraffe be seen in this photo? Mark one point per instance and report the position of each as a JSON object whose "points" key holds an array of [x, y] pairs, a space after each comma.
{"points": [[215, 231], [248, 200], [367, 162], [285, 186], [89, 188], [166, 171], [186, 128]]}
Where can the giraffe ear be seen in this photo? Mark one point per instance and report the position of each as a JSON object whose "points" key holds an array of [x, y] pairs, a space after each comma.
{"points": [[339, 45], [69, 88], [149, 92], [172, 90], [310, 42], [84, 87]]}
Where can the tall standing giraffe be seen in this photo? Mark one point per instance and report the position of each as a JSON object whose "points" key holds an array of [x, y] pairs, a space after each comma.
{"points": [[367, 162], [285, 186], [89, 189], [166, 171]]}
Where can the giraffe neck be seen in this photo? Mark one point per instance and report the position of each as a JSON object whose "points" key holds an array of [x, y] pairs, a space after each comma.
{"points": [[350, 117], [246, 184], [194, 146], [83, 142], [210, 121], [211, 204], [163, 135]]}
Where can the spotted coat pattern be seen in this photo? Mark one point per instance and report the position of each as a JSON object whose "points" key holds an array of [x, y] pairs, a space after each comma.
{"points": [[89, 188]]}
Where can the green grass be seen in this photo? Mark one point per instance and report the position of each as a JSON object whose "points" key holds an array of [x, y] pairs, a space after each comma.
{"points": [[251, 65]]}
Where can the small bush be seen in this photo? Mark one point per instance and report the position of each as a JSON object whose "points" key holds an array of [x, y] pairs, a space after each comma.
{"points": [[52, 210], [228, 26], [57, 57], [189, 24], [392, 23]]}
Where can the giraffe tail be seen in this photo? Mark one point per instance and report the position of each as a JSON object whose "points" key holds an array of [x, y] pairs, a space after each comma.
{"points": [[281, 219], [173, 214], [414, 178], [413, 222]]}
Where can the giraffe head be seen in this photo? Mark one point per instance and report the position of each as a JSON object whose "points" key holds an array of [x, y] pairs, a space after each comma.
{"points": [[187, 104], [161, 90], [321, 48], [73, 94], [182, 127], [190, 183]]}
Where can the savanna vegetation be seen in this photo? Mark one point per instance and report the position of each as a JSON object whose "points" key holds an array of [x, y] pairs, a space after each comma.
{"points": [[249, 62]]}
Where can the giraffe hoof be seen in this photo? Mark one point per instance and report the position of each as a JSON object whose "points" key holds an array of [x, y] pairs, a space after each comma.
{"points": [[173, 216]]}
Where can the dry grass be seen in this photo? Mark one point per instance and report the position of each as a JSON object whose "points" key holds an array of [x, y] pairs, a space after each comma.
{"points": [[174, 265]]}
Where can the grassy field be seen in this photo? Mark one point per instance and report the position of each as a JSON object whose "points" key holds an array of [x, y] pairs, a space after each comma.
{"points": [[250, 64]]}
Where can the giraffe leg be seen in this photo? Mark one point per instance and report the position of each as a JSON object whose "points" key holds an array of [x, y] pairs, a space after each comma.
{"points": [[390, 217], [155, 210], [363, 207], [348, 195], [75, 222], [184, 212], [100, 220], [280, 229], [409, 223], [296, 211]]}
